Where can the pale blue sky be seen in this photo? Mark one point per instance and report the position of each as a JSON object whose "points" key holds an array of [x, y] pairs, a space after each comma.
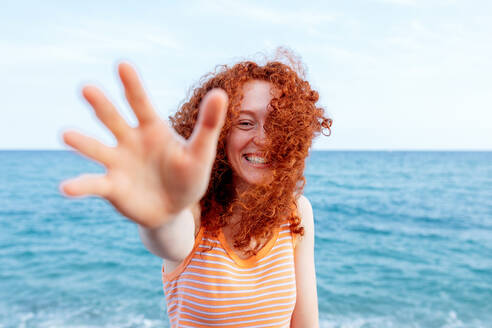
{"points": [[393, 74]]}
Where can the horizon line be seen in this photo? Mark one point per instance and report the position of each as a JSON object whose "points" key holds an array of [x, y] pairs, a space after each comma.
{"points": [[315, 150]]}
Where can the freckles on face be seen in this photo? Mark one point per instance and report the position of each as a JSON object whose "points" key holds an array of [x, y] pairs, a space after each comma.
{"points": [[246, 140]]}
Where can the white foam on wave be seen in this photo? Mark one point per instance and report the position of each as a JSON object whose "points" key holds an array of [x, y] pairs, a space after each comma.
{"points": [[64, 318], [451, 321]]}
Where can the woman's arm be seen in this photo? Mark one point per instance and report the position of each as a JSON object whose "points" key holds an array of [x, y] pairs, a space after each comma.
{"points": [[173, 240], [306, 309]]}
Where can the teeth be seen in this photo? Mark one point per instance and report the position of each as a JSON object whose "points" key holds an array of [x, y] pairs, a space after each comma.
{"points": [[255, 159]]}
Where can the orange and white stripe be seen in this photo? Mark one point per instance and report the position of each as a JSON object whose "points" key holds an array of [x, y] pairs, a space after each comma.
{"points": [[216, 288]]}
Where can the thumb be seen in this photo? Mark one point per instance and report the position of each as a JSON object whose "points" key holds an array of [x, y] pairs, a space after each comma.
{"points": [[211, 117]]}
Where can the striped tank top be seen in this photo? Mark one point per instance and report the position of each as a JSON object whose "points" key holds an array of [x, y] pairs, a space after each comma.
{"points": [[216, 288]]}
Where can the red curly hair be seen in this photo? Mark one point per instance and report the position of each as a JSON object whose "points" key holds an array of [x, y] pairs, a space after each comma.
{"points": [[292, 123]]}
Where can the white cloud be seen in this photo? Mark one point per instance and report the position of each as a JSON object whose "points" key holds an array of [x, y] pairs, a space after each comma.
{"points": [[136, 37], [254, 12], [88, 44], [15, 53], [400, 2]]}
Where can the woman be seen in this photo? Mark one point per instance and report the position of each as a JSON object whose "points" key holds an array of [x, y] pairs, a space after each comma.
{"points": [[219, 197]]}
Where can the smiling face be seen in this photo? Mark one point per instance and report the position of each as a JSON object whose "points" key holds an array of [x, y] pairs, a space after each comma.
{"points": [[246, 139]]}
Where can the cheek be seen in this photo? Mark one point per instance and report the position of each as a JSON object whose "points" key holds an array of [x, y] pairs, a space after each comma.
{"points": [[231, 149], [234, 143]]}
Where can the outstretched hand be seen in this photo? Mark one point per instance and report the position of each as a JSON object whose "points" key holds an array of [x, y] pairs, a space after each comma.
{"points": [[152, 173]]}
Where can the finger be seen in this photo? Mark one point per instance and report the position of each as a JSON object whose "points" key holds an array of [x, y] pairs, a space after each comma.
{"points": [[89, 147], [106, 112], [213, 108], [85, 185], [135, 94]]}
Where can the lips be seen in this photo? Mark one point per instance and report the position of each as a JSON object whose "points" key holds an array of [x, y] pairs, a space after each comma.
{"points": [[255, 158]]}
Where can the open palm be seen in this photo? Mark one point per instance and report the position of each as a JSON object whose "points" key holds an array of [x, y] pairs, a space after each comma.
{"points": [[152, 173]]}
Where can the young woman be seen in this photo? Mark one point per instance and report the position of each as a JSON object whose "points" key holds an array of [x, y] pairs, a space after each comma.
{"points": [[219, 195]]}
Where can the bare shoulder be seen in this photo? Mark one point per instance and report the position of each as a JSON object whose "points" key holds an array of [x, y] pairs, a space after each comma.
{"points": [[305, 212]]}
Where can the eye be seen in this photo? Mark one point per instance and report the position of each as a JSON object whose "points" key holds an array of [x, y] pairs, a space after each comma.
{"points": [[245, 124]]}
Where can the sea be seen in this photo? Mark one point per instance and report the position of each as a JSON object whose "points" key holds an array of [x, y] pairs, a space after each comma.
{"points": [[403, 239]]}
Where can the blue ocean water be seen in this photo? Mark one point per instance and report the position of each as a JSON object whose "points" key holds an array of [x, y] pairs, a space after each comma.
{"points": [[403, 239]]}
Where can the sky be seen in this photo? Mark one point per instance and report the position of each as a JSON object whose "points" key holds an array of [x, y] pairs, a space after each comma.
{"points": [[392, 74]]}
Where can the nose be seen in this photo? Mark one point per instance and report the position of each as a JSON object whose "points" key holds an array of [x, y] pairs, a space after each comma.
{"points": [[260, 136]]}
